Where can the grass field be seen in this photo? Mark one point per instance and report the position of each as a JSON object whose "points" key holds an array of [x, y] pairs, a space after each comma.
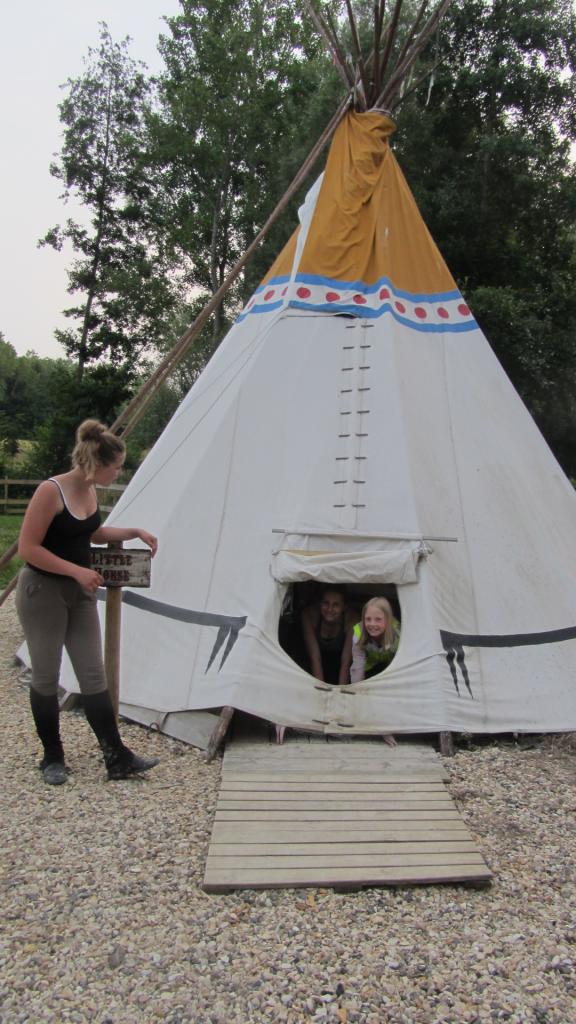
{"points": [[9, 528]]}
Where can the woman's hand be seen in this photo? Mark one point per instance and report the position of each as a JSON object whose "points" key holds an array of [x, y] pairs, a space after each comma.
{"points": [[88, 579], [149, 539]]}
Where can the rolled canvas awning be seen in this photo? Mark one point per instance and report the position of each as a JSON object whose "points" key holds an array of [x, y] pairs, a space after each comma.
{"points": [[398, 565]]}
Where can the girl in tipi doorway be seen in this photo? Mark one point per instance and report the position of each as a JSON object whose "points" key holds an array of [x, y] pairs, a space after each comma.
{"points": [[372, 643], [325, 626]]}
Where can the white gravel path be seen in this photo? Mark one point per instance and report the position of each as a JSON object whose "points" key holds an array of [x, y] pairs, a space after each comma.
{"points": [[103, 920]]}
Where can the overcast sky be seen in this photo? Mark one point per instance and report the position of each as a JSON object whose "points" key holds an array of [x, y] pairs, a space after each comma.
{"points": [[42, 45]]}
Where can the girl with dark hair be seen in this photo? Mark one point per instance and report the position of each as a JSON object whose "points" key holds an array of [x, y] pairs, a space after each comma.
{"points": [[325, 626]]}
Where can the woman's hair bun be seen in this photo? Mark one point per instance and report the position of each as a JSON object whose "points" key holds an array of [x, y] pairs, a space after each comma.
{"points": [[90, 430]]}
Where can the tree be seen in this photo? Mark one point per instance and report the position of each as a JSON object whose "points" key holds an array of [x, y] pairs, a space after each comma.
{"points": [[28, 386], [100, 394], [487, 154], [226, 138], [119, 271]]}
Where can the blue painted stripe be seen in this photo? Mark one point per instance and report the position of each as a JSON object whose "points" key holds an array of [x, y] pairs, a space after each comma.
{"points": [[361, 287], [366, 313], [363, 312], [370, 289]]}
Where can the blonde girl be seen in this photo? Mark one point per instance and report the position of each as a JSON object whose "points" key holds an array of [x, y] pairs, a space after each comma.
{"points": [[372, 643], [56, 599]]}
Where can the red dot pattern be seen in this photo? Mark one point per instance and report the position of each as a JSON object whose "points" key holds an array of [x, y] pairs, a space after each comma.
{"points": [[420, 312]]}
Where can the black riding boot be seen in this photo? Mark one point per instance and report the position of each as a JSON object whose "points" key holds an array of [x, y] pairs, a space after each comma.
{"points": [[46, 714], [119, 760]]}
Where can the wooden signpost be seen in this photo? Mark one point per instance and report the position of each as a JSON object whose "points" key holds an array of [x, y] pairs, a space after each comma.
{"points": [[119, 567]]}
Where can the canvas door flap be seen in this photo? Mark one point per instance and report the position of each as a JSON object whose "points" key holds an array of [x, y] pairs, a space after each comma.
{"points": [[396, 566]]}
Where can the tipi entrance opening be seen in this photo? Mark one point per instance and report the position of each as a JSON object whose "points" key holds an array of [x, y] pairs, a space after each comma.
{"points": [[307, 595]]}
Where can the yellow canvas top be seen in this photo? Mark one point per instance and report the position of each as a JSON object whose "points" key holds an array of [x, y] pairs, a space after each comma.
{"points": [[367, 249]]}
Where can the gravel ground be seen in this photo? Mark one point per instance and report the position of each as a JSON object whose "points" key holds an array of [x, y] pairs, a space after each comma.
{"points": [[104, 921]]}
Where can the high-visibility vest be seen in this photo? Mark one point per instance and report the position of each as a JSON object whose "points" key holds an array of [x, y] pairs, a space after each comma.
{"points": [[376, 655]]}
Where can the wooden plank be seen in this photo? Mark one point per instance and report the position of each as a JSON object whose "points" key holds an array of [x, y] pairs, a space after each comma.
{"points": [[392, 755], [332, 832], [338, 767], [388, 778], [312, 792], [270, 878], [314, 849], [339, 744], [359, 752], [358, 860], [365, 786], [299, 803], [348, 753], [335, 815]]}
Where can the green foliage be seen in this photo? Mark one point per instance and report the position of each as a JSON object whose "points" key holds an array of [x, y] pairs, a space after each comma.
{"points": [[240, 99], [487, 154], [28, 388], [119, 272], [9, 530], [101, 393]]}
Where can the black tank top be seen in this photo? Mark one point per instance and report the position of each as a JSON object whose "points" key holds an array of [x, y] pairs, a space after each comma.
{"points": [[69, 537], [331, 644]]}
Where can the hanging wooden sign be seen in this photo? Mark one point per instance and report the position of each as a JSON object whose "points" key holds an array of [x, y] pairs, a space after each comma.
{"points": [[126, 567]]}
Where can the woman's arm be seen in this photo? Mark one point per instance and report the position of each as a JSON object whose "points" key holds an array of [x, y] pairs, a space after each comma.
{"points": [[310, 618], [43, 506], [110, 534], [346, 659]]}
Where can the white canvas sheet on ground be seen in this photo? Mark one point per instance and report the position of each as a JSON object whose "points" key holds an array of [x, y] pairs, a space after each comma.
{"points": [[446, 461]]}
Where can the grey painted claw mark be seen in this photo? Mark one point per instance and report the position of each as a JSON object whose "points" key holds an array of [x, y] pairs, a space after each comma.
{"points": [[225, 632], [454, 644], [229, 626]]}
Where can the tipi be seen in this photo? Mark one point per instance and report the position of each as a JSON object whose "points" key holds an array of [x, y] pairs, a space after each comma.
{"points": [[355, 427]]}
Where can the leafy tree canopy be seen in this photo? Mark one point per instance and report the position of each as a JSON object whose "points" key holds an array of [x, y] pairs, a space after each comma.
{"points": [[239, 80], [487, 153], [119, 272]]}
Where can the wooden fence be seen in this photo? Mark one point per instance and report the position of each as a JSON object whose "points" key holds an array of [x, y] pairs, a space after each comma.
{"points": [[15, 495]]}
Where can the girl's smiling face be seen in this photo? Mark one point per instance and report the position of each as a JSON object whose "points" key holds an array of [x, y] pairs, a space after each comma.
{"points": [[332, 606], [375, 622]]}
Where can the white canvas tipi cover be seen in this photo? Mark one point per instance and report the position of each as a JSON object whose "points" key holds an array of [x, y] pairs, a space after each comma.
{"points": [[355, 426]]}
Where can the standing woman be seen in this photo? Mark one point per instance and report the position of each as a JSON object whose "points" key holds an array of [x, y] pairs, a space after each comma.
{"points": [[56, 599]]}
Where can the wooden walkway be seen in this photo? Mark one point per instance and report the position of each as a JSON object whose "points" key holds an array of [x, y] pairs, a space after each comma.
{"points": [[336, 812]]}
